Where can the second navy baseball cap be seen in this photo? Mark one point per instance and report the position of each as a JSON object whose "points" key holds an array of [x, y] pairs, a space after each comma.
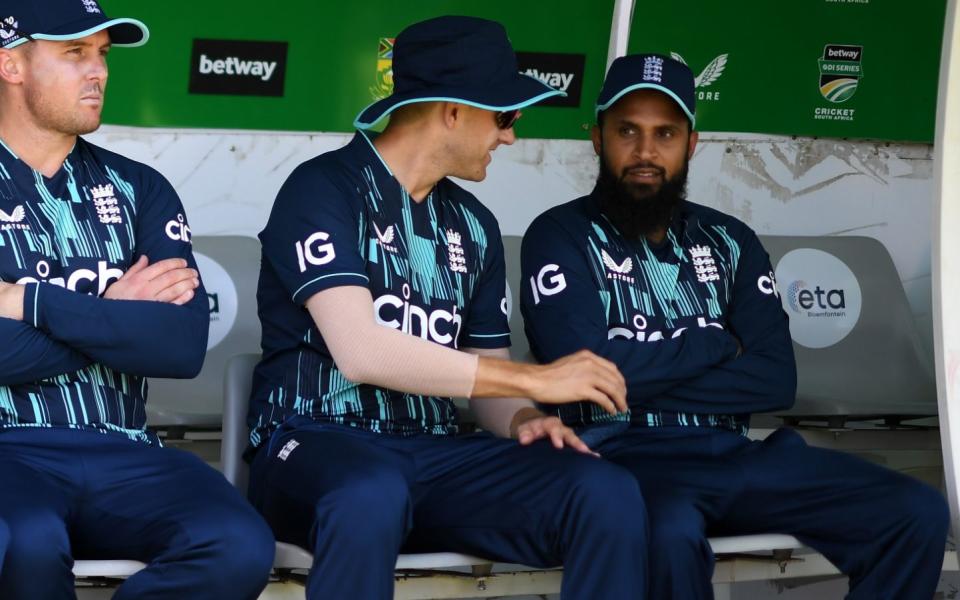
{"points": [[650, 71], [59, 20]]}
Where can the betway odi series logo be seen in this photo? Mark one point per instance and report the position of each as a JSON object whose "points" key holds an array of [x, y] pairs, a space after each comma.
{"points": [[840, 72], [384, 80]]}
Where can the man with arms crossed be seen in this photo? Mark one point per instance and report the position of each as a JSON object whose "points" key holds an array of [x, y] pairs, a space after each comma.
{"points": [[382, 295], [681, 297], [97, 291]]}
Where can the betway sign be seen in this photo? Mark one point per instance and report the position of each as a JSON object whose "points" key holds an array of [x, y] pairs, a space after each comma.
{"points": [[560, 71], [238, 68]]}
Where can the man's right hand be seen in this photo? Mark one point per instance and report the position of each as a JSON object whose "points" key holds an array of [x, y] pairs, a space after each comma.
{"points": [[169, 280], [580, 376]]}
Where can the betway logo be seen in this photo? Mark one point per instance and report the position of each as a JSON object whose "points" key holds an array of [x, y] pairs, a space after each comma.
{"points": [[102, 277], [560, 81], [641, 335], [440, 326], [236, 67]]}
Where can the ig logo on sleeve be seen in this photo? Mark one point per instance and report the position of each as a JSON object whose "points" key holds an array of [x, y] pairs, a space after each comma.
{"points": [[313, 252], [542, 286]]}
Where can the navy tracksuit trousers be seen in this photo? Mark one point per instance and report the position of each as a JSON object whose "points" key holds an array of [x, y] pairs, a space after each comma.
{"points": [[887, 531], [67, 494], [356, 498]]}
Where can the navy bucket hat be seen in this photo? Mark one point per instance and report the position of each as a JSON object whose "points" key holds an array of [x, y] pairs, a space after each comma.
{"points": [[61, 20], [650, 71], [456, 59]]}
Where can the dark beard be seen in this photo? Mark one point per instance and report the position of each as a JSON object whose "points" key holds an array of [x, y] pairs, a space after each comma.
{"points": [[635, 209]]}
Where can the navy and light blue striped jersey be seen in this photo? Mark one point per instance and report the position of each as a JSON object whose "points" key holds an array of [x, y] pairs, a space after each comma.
{"points": [[669, 315], [79, 360], [434, 269]]}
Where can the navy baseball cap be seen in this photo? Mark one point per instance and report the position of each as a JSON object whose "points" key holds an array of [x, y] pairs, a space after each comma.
{"points": [[456, 59], [61, 20], [650, 71]]}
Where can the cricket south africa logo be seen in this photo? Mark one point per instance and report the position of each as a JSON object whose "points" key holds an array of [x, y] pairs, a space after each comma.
{"points": [[384, 79], [840, 71], [617, 270], [710, 74]]}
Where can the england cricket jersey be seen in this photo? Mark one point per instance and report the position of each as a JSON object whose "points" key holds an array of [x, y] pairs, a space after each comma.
{"points": [[78, 360], [434, 269], [669, 315]]}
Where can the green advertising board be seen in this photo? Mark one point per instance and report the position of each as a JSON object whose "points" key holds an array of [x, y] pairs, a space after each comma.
{"points": [[829, 68], [304, 65]]}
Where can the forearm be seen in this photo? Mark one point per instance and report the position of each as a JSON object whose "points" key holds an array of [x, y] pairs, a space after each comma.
{"points": [[500, 416], [151, 339], [649, 368], [366, 352], [28, 355], [763, 379]]}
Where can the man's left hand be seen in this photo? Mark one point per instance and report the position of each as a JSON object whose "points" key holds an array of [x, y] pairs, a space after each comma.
{"points": [[541, 426]]}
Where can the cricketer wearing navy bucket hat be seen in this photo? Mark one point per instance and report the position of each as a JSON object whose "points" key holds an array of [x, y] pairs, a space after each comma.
{"points": [[382, 296], [95, 297], [458, 59], [695, 287], [61, 20]]}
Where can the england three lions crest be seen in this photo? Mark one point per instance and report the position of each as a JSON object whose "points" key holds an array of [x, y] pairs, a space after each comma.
{"points": [[105, 203], [703, 264]]}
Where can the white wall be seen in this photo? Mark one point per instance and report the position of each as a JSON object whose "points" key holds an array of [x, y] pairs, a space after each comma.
{"points": [[776, 184]]}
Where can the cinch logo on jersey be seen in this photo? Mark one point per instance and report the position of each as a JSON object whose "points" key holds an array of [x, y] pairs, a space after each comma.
{"points": [[616, 270], [541, 285], [105, 202], [440, 326], [385, 238], [313, 252], [703, 264], [178, 230], [768, 285], [455, 256], [642, 335], [14, 220], [104, 276], [710, 74]]}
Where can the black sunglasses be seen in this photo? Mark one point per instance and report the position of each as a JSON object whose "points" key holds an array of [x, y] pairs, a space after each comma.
{"points": [[508, 118]]}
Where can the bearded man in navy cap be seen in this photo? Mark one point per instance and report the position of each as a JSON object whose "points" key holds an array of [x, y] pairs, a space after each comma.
{"points": [[382, 296], [94, 298], [681, 298]]}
